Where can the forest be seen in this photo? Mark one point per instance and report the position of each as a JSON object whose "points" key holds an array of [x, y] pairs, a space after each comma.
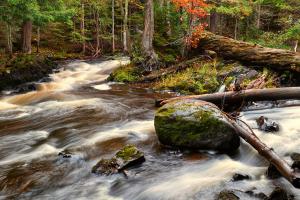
{"points": [[150, 99]]}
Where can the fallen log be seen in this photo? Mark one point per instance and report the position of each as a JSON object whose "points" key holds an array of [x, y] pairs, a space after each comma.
{"points": [[235, 97], [268, 153], [253, 54]]}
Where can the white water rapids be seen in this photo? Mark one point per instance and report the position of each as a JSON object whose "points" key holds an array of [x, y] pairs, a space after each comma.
{"points": [[78, 110]]}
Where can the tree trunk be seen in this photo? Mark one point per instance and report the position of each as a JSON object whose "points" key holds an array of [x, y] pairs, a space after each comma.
{"points": [[125, 31], [9, 47], [235, 28], [26, 37], [82, 28], [258, 16], [151, 58], [169, 30], [113, 24], [250, 54], [281, 165], [296, 46], [97, 50], [38, 40], [213, 22], [234, 98]]}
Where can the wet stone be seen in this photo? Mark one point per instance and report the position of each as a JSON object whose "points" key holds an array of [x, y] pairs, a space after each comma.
{"points": [[65, 154], [296, 160], [272, 172], [267, 125], [227, 195], [280, 194], [240, 177], [128, 156]]}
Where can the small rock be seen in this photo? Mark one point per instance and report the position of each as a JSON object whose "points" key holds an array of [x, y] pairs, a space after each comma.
{"points": [[251, 74], [65, 154], [272, 172], [279, 194], [128, 156], [240, 177], [227, 195], [267, 125]]}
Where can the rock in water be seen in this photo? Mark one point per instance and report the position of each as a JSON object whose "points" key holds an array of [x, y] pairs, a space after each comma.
{"points": [[128, 156], [227, 195], [196, 125], [279, 194], [267, 125]]}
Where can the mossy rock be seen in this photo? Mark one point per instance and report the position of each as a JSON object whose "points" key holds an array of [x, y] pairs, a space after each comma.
{"points": [[128, 156], [195, 125]]}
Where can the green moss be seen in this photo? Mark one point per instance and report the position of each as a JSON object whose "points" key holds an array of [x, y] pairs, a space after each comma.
{"points": [[200, 125], [200, 78], [126, 74], [129, 152]]}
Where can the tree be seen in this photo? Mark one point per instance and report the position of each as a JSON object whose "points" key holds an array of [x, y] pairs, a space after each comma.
{"points": [[151, 58]]}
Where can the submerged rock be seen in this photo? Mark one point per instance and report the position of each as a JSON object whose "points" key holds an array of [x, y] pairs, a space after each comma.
{"points": [[227, 195], [65, 154], [196, 125], [240, 177], [128, 156], [267, 125]]}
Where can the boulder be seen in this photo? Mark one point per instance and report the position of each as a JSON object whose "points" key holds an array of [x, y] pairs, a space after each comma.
{"points": [[272, 172], [195, 124], [127, 157]]}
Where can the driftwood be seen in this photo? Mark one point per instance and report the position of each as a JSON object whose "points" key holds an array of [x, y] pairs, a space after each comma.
{"points": [[281, 165], [236, 97], [248, 53]]}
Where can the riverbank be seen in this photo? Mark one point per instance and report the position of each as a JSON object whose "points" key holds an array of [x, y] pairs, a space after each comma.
{"points": [[22, 69], [200, 76]]}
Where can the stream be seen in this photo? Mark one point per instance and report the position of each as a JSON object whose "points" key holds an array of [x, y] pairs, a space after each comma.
{"points": [[79, 111]]}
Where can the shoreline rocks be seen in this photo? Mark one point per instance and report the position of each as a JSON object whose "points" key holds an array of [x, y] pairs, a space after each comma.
{"points": [[196, 125]]}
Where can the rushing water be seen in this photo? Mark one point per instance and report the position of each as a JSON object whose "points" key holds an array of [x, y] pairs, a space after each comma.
{"points": [[80, 112]]}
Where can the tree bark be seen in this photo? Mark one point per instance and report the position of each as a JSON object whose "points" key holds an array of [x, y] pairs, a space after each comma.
{"points": [[26, 37], [234, 98], [250, 54], [281, 165], [296, 46], [97, 33]]}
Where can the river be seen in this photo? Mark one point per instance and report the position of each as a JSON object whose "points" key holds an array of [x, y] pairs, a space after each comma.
{"points": [[80, 112]]}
